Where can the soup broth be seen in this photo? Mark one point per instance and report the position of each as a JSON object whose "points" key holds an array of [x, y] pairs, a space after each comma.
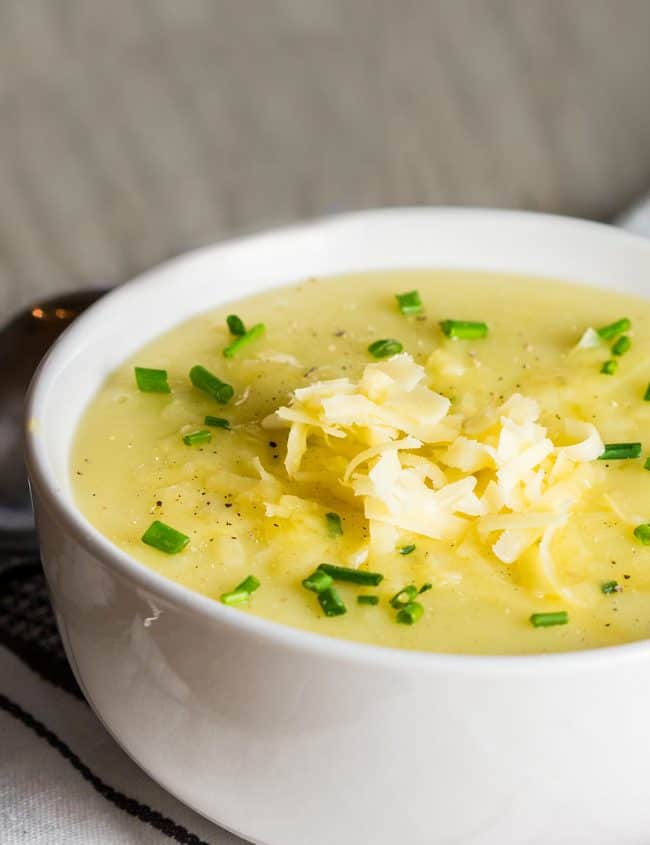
{"points": [[461, 509]]}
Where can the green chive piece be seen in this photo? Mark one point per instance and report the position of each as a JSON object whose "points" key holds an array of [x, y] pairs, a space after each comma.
{"points": [[612, 329], [331, 602], [620, 451], [196, 437], [354, 576], [165, 538], [318, 581], [368, 600], [385, 348], [235, 597], [646, 465], [610, 587], [242, 592], [409, 303], [235, 325], [464, 329], [406, 550], [425, 588], [622, 345], [646, 395], [250, 584], [410, 613], [217, 422], [545, 620], [404, 597], [207, 382], [642, 533], [243, 340], [151, 381], [609, 367], [334, 527]]}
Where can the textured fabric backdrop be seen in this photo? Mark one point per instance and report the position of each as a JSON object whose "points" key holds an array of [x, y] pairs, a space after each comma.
{"points": [[135, 129]]}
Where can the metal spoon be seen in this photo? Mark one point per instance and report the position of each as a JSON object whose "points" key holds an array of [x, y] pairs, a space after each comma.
{"points": [[23, 342]]}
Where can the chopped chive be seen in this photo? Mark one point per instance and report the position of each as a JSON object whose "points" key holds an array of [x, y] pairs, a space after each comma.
{"points": [[622, 345], [404, 597], [151, 381], [235, 325], [646, 465], [354, 576], [646, 395], [244, 339], [410, 613], [545, 620], [217, 422], [318, 581], [612, 329], [609, 367], [385, 348], [207, 382], [406, 550], [331, 602], [196, 437], [235, 597], [334, 527], [409, 303], [242, 592], [250, 584], [642, 533], [368, 600], [620, 451], [425, 588], [464, 329], [610, 587], [165, 538]]}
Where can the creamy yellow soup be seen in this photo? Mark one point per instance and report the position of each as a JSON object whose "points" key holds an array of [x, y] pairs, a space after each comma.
{"points": [[480, 477]]}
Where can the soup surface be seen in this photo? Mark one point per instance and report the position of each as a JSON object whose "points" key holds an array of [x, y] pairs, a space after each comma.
{"points": [[465, 465]]}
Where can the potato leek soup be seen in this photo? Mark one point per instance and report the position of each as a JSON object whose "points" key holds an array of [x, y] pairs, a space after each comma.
{"points": [[437, 460]]}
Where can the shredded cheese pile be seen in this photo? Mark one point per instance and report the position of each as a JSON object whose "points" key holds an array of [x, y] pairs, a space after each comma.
{"points": [[392, 442]]}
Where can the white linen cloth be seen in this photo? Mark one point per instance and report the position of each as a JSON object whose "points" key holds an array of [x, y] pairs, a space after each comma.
{"points": [[63, 780]]}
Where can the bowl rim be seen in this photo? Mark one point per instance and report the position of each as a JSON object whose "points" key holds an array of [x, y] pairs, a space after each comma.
{"points": [[73, 521]]}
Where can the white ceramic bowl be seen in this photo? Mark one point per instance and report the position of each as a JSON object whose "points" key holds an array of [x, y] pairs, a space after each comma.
{"points": [[289, 738]]}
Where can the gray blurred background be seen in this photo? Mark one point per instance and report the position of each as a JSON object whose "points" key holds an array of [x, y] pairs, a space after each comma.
{"points": [[132, 130]]}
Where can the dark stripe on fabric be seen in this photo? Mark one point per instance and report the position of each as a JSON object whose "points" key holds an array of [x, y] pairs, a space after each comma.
{"points": [[128, 805], [28, 627]]}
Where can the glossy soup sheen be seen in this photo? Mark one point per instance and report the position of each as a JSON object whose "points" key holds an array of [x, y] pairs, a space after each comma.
{"points": [[131, 466]]}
